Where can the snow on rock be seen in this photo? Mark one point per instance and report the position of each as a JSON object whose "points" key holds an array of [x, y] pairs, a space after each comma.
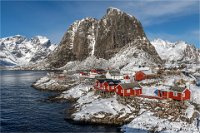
{"points": [[189, 111], [129, 57], [176, 52], [19, 50], [88, 63], [90, 105], [76, 92], [195, 94], [149, 122], [45, 83]]}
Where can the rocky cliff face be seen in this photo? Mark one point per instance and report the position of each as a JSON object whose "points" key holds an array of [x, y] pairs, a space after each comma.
{"points": [[19, 50], [102, 38]]}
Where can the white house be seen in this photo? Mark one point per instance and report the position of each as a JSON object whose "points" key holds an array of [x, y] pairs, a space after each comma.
{"points": [[114, 75]]}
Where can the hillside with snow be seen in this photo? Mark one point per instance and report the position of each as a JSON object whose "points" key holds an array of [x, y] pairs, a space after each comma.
{"points": [[19, 50], [177, 52], [115, 33]]}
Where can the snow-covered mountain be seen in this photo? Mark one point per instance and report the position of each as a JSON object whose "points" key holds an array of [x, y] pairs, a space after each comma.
{"points": [[176, 52], [19, 50], [116, 32]]}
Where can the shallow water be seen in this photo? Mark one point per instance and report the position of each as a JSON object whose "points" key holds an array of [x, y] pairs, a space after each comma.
{"points": [[23, 109]]}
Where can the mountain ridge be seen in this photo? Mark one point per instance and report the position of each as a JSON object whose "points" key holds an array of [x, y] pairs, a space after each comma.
{"points": [[177, 52], [102, 38], [20, 50]]}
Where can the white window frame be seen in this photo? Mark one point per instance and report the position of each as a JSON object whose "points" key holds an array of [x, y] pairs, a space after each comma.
{"points": [[128, 91], [112, 87], [183, 94]]}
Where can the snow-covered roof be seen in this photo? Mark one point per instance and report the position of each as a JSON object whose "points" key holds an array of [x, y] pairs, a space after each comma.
{"points": [[113, 82], [178, 89], [130, 85], [173, 88]]}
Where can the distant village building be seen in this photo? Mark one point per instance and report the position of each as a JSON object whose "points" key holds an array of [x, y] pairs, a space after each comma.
{"points": [[114, 75], [142, 75], [126, 79], [139, 76], [83, 74], [128, 89], [175, 92], [95, 72], [109, 85], [99, 84]]}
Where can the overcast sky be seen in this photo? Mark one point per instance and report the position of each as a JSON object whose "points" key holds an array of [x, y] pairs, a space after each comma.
{"points": [[171, 20]]}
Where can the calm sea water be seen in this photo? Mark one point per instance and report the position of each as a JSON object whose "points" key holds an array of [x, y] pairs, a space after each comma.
{"points": [[23, 109]]}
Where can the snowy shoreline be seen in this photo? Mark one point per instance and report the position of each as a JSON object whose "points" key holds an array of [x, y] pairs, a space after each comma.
{"points": [[91, 107]]}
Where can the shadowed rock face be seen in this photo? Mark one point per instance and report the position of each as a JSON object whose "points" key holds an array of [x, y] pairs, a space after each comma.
{"points": [[102, 38]]}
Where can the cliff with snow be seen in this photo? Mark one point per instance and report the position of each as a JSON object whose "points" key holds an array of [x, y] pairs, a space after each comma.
{"points": [[177, 52], [19, 50], [115, 33]]}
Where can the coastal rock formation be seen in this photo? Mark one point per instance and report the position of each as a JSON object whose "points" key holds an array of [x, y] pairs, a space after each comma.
{"points": [[102, 38]]}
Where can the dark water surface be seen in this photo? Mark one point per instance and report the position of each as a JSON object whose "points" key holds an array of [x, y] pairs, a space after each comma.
{"points": [[23, 108]]}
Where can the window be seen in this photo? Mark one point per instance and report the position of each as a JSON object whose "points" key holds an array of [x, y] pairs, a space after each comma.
{"points": [[128, 91], [175, 93], [116, 90], [112, 87], [183, 94], [122, 91]]}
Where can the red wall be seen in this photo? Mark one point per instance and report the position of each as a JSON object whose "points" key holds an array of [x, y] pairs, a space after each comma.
{"points": [[118, 90], [187, 94], [140, 76], [172, 95], [128, 92]]}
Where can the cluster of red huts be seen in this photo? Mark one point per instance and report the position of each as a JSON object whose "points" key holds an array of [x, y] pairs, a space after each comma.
{"points": [[134, 89], [122, 89]]}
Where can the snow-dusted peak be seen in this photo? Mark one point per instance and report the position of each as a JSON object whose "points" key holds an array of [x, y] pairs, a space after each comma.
{"points": [[17, 39], [178, 51], [164, 43], [19, 50], [111, 9], [42, 39]]}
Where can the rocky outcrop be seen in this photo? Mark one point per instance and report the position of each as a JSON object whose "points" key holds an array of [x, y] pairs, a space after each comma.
{"points": [[102, 38]]}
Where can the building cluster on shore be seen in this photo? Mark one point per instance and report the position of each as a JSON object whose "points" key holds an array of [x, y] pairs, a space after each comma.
{"points": [[131, 85]]}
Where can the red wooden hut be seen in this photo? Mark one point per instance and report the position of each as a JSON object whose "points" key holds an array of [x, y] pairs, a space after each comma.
{"points": [[176, 93], [83, 74], [128, 89], [126, 77], [140, 76], [98, 71], [109, 85], [99, 84]]}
